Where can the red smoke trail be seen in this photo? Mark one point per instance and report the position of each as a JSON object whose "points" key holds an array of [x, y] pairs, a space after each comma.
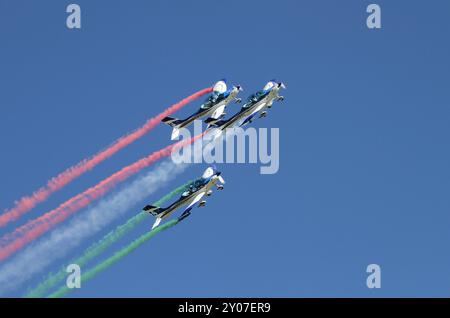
{"points": [[11, 243], [27, 203]]}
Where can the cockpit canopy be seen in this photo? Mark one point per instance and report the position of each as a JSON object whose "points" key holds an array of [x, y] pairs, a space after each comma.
{"points": [[193, 187], [186, 193], [211, 100], [252, 99]]}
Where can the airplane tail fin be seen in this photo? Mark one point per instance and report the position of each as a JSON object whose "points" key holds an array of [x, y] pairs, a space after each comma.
{"points": [[172, 122], [153, 210]]}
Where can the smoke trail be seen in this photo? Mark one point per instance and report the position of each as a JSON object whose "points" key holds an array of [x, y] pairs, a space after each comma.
{"points": [[26, 203], [97, 248], [61, 241], [27, 233], [116, 257]]}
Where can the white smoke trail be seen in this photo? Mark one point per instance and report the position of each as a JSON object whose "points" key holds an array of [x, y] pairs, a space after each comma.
{"points": [[41, 254]]}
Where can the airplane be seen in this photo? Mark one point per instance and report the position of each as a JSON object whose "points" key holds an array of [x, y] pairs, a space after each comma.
{"points": [[193, 194], [214, 106], [257, 102], [274, 87]]}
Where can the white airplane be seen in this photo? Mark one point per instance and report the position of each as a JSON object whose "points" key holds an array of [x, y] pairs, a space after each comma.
{"points": [[196, 191], [214, 106], [274, 89], [257, 102]]}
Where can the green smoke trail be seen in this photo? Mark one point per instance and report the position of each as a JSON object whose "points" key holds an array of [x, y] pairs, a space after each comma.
{"points": [[115, 258], [99, 247]]}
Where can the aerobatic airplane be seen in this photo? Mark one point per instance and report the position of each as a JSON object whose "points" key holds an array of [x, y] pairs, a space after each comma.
{"points": [[257, 102], [214, 106], [195, 192]]}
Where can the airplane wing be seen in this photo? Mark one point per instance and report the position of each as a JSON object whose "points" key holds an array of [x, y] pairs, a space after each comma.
{"points": [[247, 120], [261, 106], [195, 200], [188, 209], [253, 113], [218, 112]]}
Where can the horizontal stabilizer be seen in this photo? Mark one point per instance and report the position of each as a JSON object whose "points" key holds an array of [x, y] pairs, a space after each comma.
{"points": [[158, 220], [172, 122], [153, 210]]}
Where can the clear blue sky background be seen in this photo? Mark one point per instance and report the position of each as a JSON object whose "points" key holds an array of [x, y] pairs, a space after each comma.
{"points": [[364, 131]]}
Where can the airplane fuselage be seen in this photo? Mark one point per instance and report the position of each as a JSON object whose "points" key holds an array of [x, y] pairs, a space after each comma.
{"points": [[186, 200], [246, 112]]}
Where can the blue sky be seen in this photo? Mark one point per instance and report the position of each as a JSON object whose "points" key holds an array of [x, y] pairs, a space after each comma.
{"points": [[364, 158]]}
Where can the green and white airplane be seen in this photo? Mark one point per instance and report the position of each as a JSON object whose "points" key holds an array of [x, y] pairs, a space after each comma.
{"points": [[196, 191]]}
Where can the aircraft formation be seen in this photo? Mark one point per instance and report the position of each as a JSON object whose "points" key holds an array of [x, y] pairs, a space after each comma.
{"points": [[193, 194], [213, 109]]}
